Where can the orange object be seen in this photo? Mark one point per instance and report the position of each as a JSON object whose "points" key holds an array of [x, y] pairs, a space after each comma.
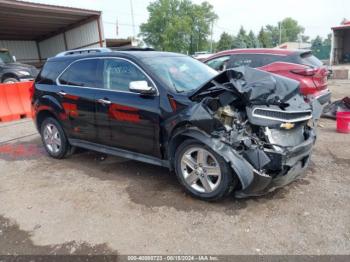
{"points": [[343, 122], [15, 101]]}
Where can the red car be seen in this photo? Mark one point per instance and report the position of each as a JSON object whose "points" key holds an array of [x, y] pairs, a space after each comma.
{"points": [[299, 65]]}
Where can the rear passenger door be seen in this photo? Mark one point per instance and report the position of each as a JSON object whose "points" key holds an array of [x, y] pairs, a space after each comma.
{"points": [[125, 119], [77, 88]]}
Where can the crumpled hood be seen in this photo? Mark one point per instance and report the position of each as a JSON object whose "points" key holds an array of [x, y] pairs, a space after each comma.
{"points": [[252, 85]]}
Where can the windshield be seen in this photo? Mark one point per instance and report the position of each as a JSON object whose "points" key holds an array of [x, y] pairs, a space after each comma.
{"points": [[5, 57], [181, 73]]}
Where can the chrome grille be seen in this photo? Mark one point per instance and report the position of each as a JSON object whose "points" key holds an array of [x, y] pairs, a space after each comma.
{"points": [[284, 116]]}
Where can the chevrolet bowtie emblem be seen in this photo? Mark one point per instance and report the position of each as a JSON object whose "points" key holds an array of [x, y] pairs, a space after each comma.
{"points": [[287, 125]]}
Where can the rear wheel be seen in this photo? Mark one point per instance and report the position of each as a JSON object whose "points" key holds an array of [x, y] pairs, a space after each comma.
{"points": [[203, 173], [54, 138]]}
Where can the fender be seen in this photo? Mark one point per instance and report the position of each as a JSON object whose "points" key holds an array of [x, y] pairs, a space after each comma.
{"points": [[241, 167], [48, 103]]}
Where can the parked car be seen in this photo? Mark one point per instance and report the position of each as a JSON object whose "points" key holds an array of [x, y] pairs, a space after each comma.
{"points": [[299, 65], [12, 71], [202, 55], [242, 130]]}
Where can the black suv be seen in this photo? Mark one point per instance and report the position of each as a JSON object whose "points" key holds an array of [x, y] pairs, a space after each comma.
{"points": [[12, 71], [242, 130]]}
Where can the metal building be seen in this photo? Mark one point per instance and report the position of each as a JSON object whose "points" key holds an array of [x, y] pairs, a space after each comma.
{"points": [[33, 32], [340, 51]]}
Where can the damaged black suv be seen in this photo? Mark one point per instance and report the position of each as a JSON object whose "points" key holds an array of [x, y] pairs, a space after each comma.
{"points": [[242, 130]]}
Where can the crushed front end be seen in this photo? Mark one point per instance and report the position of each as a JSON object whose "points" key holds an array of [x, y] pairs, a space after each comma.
{"points": [[260, 124]]}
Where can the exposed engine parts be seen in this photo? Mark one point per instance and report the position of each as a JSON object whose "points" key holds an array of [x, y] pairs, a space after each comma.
{"points": [[263, 120]]}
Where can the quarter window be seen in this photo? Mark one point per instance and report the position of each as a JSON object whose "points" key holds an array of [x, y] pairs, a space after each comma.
{"points": [[118, 73], [81, 73]]}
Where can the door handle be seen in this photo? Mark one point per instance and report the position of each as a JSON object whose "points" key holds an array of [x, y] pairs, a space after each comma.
{"points": [[104, 101], [62, 93]]}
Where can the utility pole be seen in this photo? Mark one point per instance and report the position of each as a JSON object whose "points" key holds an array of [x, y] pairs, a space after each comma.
{"points": [[211, 37], [132, 19], [280, 26], [117, 27]]}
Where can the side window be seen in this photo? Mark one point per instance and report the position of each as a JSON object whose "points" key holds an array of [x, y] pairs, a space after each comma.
{"points": [[242, 60], [219, 63], [118, 73], [254, 60], [81, 73]]}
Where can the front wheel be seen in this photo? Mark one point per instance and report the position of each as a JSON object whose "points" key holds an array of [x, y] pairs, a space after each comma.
{"points": [[10, 80], [54, 138], [203, 173]]}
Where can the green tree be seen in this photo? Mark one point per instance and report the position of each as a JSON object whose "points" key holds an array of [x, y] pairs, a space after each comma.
{"points": [[264, 38], [252, 40], [240, 41], [225, 42], [291, 30], [178, 25], [288, 30], [328, 40]]}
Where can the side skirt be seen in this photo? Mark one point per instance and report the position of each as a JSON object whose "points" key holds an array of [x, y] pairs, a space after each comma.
{"points": [[119, 152]]}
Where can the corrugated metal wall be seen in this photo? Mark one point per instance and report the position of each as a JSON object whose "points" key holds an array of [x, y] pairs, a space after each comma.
{"points": [[24, 51], [84, 36], [50, 47]]}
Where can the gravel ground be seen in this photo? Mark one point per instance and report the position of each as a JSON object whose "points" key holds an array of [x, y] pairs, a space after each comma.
{"points": [[89, 204]]}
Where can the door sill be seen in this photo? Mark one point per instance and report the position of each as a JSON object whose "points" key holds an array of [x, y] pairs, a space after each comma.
{"points": [[119, 152]]}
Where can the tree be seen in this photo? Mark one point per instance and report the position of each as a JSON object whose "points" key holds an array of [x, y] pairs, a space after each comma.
{"points": [[240, 41], [252, 40], [328, 40], [291, 30], [178, 25], [225, 42], [288, 30], [305, 38], [264, 38]]}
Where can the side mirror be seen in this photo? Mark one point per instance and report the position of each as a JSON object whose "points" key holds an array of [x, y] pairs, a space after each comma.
{"points": [[14, 58], [141, 87]]}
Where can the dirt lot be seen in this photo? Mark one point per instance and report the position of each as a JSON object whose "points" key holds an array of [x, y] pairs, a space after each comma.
{"points": [[91, 204]]}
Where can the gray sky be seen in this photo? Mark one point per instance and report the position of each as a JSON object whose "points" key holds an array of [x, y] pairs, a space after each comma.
{"points": [[317, 16]]}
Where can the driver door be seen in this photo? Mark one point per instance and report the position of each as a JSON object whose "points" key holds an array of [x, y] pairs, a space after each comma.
{"points": [[125, 119]]}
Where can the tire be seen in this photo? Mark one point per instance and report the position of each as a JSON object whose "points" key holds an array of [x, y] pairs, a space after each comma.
{"points": [[10, 80], [196, 180], [56, 142]]}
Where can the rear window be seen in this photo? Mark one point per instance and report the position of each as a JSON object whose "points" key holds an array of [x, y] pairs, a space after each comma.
{"points": [[310, 60], [254, 60]]}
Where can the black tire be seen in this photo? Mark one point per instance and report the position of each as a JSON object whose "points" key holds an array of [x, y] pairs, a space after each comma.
{"points": [[64, 149], [10, 80], [227, 182]]}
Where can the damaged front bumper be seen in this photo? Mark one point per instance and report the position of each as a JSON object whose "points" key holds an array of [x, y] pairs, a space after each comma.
{"points": [[296, 160]]}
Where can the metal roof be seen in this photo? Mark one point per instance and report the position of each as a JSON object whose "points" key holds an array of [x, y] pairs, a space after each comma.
{"points": [[31, 21]]}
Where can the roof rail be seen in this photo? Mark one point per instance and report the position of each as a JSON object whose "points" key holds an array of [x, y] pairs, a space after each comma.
{"points": [[83, 51]]}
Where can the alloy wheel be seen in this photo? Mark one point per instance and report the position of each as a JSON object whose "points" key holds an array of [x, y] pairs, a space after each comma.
{"points": [[200, 170], [52, 138]]}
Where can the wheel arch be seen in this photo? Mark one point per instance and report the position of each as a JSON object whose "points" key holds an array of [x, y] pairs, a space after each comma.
{"points": [[241, 167], [8, 75]]}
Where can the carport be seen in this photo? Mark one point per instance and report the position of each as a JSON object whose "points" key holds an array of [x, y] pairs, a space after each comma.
{"points": [[33, 32]]}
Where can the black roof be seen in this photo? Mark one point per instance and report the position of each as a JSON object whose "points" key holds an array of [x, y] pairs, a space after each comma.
{"points": [[126, 54]]}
